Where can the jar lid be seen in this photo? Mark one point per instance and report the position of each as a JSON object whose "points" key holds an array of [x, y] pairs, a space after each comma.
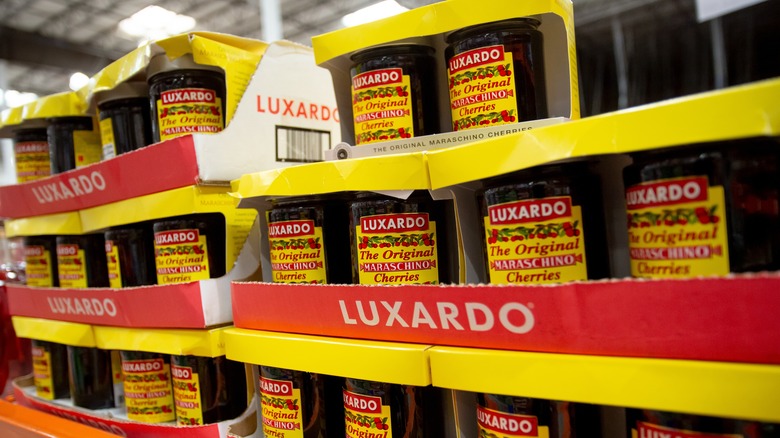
{"points": [[494, 26], [417, 45], [162, 64], [125, 90], [30, 124], [69, 119]]}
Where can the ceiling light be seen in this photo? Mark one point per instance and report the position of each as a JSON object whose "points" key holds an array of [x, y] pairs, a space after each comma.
{"points": [[154, 22], [374, 12], [78, 80], [13, 98]]}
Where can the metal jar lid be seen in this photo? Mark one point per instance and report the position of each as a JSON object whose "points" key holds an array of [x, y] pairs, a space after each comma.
{"points": [[125, 90], [494, 26], [162, 64], [414, 46], [30, 124]]}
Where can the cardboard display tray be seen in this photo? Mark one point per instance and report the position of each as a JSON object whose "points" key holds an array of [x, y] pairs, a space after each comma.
{"points": [[724, 319], [112, 421]]}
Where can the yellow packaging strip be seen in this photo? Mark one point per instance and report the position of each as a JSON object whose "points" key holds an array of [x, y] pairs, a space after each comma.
{"points": [[67, 103], [719, 389], [68, 333], [177, 202], [8, 119], [737, 112], [60, 223], [394, 172], [371, 360], [205, 343]]}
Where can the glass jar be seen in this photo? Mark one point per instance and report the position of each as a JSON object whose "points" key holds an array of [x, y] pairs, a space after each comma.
{"points": [[300, 398], [304, 233], [399, 411], [496, 74], [394, 93], [189, 248], [510, 416], [31, 152], [81, 261], [704, 210], [148, 388], [125, 118], [397, 241], [544, 225], [186, 97], [40, 256], [129, 255], [74, 142], [649, 423], [207, 389], [92, 378], [50, 369]]}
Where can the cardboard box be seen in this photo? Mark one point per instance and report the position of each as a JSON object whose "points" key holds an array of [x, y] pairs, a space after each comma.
{"points": [[685, 319], [186, 305], [431, 24], [283, 98], [114, 420]]}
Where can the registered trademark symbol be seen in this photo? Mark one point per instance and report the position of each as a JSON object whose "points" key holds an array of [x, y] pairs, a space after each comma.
{"points": [[530, 305]]}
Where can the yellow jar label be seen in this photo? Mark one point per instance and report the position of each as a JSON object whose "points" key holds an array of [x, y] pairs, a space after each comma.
{"points": [[297, 252], [42, 373], [189, 111], [281, 404], [87, 147], [114, 265], [397, 249], [181, 256], [38, 266], [107, 138], [677, 228], [381, 106], [71, 266], [535, 241], [482, 89], [116, 376], [647, 430], [186, 395], [497, 424], [148, 392], [32, 160], [366, 416]]}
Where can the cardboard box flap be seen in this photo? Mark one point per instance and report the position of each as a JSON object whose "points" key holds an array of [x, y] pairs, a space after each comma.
{"points": [[68, 103], [288, 102]]}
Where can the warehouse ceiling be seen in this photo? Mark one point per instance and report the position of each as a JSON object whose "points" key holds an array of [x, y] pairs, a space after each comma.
{"points": [[45, 41], [626, 48]]}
